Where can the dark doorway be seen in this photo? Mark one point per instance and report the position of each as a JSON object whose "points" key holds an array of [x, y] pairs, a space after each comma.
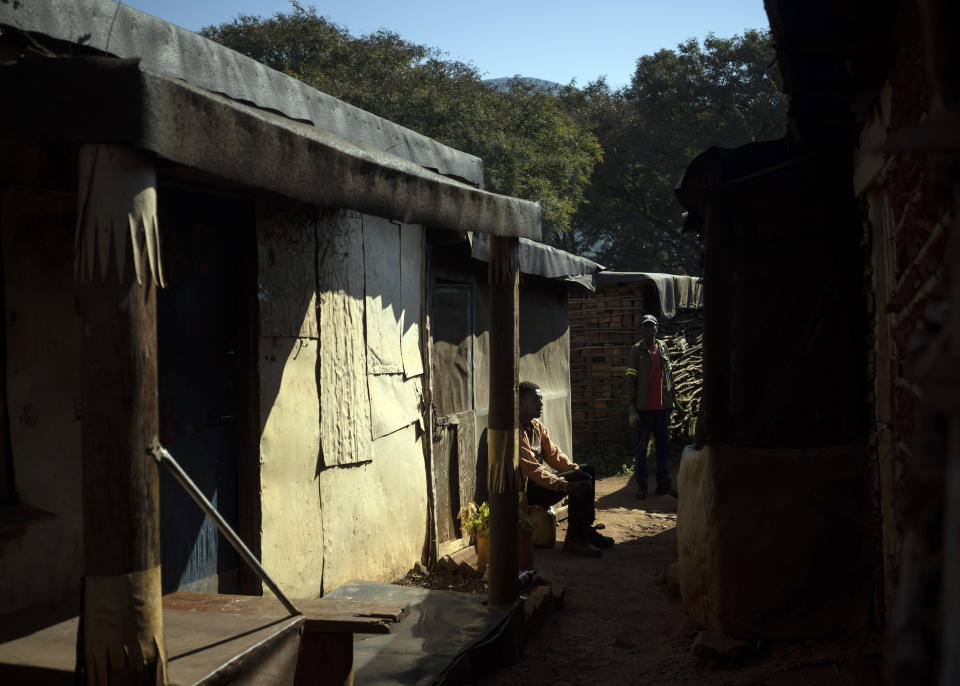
{"points": [[202, 325], [451, 360]]}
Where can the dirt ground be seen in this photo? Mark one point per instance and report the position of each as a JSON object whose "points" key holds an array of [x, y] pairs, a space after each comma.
{"points": [[622, 625]]}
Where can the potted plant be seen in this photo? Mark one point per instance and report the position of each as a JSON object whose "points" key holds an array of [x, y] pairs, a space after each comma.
{"points": [[475, 521]]}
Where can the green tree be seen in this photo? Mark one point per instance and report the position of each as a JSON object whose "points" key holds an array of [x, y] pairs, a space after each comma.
{"points": [[531, 146], [679, 103]]}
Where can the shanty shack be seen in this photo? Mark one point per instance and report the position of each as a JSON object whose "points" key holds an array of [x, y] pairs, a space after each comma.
{"points": [[460, 350], [844, 234], [290, 294]]}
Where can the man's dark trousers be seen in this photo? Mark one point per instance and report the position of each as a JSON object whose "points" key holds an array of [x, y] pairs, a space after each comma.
{"points": [[656, 422], [581, 506]]}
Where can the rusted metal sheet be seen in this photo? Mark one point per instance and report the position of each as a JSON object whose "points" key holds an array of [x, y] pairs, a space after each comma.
{"points": [[286, 248], [344, 399]]}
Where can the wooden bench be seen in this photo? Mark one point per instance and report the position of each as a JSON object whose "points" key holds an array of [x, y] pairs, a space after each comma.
{"points": [[215, 639], [327, 627]]}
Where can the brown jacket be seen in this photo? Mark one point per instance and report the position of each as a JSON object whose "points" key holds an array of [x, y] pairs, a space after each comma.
{"points": [[537, 448]]}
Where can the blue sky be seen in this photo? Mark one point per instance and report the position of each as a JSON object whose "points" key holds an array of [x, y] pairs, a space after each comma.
{"points": [[558, 41]]}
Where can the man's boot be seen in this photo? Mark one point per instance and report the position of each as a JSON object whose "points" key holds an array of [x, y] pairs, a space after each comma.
{"points": [[579, 545], [598, 539], [665, 488]]}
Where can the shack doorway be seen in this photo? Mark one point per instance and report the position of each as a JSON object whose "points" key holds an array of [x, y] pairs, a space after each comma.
{"points": [[201, 323], [454, 432]]}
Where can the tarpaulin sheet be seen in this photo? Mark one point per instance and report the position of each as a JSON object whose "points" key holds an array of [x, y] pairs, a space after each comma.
{"points": [[542, 260], [676, 291], [120, 30]]}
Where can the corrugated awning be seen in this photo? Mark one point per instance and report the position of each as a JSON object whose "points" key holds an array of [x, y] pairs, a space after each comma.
{"points": [[163, 48], [543, 260]]}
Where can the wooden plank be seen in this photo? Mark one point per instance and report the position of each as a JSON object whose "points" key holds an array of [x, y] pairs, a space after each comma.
{"points": [[444, 472], [467, 456]]}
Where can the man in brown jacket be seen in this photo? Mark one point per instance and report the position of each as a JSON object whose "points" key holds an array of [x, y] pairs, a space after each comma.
{"points": [[544, 488]]}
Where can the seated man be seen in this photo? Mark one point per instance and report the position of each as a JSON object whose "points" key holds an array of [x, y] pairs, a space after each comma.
{"points": [[544, 488]]}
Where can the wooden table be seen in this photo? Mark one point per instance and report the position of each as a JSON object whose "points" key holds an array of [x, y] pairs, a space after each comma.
{"points": [[216, 639], [326, 628]]}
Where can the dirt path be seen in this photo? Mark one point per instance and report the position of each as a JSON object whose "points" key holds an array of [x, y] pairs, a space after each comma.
{"points": [[621, 625]]}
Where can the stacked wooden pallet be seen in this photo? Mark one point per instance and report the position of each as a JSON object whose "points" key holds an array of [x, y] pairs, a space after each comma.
{"points": [[603, 327]]}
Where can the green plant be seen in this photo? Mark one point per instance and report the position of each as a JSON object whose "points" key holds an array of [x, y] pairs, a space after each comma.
{"points": [[475, 520]]}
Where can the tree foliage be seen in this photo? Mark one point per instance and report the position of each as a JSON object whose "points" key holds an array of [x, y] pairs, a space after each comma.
{"points": [[679, 103], [603, 163], [530, 145]]}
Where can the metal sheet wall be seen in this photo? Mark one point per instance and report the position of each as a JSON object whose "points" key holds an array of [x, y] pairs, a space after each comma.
{"points": [[340, 447]]}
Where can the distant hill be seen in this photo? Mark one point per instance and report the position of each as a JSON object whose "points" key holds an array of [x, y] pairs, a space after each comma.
{"points": [[503, 84]]}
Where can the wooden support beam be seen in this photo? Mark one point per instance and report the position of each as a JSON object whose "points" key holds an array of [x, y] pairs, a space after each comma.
{"points": [[503, 436], [122, 621]]}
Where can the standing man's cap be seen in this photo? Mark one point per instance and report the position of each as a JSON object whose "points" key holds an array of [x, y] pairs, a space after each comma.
{"points": [[649, 318]]}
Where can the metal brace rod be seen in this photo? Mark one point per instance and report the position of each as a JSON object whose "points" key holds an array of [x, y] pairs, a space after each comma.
{"points": [[162, 456]]}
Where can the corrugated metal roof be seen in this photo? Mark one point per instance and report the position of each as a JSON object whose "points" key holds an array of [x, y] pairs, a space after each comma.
{"points": [[107, 100]]}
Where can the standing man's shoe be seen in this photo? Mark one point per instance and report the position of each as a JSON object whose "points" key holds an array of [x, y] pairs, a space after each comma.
{"points": [[665, 489], [578, 546], [642, 491]]}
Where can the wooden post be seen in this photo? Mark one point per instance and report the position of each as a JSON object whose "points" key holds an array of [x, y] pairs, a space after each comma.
{"points": [[122, 621], [502, 435]]}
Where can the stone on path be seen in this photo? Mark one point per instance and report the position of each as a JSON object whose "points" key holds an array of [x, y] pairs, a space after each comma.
{"points": [[720, 650]]}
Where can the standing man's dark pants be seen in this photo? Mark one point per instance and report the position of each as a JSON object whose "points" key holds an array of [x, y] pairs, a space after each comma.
{"points": [[581, 507], [656, 422]]}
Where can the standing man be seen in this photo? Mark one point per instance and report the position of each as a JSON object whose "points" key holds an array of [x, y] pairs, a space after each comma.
{"points": [[545, 488], [650, 398]]}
